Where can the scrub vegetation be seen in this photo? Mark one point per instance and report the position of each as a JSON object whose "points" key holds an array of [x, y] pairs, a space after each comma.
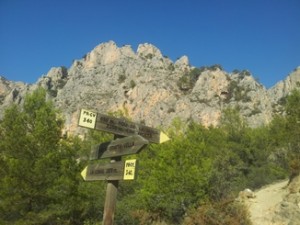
{"points": [[192, 179]]}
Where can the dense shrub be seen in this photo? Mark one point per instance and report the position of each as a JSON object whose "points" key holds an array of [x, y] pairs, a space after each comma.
{"points": [[188, 80], [225, 213], [187, 180]]}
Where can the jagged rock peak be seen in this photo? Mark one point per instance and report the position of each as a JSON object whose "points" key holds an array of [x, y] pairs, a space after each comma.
{"points": [[57, 73], [182, 61], [3, 85], [148, 50], [106, 46], [2, 78], [55, 79], [284, 87], [112, 46], [107, 53]]}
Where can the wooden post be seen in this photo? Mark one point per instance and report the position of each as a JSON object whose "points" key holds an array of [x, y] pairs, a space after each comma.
{"points": [[111, 195], [110, 202]]}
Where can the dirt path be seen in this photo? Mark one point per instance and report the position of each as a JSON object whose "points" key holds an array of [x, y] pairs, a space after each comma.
{"points": [[262, 207]]}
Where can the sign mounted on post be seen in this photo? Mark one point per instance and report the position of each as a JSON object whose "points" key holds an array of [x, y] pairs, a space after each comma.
{"points": [[119, 147], [87, 119], [130, 169], [111, 171], [134, 137], [120, 126]]}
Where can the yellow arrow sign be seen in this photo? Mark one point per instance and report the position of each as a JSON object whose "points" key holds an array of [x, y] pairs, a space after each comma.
{"points": [[120, 126], [163, 137], [111, 171]]}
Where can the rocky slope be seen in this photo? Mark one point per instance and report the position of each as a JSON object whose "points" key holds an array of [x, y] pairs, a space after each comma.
{"points": [[150, 88]]}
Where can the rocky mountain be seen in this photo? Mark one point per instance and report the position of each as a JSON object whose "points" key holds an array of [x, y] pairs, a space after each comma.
{"points": [[152, 89]]}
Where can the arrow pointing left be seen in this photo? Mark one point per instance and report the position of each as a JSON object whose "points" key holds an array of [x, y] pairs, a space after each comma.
{"points": [[119, 170], [109, 171]]}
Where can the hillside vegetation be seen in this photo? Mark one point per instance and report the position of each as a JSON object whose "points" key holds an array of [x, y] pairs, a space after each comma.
{"points": [[192, 179]]}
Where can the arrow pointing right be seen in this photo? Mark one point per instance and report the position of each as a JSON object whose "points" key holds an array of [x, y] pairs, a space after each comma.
{"points": [[119, 147], [120, 126]]}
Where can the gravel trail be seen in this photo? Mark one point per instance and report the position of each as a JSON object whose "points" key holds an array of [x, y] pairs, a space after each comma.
{"points": [[262, 207]]}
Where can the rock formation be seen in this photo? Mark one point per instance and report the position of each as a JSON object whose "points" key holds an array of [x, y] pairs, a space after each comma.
{"points": [[150, 88]]}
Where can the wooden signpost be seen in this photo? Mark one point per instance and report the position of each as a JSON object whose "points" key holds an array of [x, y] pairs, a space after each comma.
{"points": [[130, 138]]}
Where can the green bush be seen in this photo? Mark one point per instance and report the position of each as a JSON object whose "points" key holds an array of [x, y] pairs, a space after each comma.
{"points": [[121, 78], [187, 180], [38, 168], [219, 213], [215, 67], [188, 80], [132, 84]]}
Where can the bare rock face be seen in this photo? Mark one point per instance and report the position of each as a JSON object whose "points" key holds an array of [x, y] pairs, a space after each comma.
{"points": [[182, 63], [11, 92], [4, 88], [284, 87], [55, 80], [150, 88], [148, 50]]}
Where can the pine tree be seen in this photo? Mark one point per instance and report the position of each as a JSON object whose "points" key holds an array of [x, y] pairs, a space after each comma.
{"points": [[39, 176]]}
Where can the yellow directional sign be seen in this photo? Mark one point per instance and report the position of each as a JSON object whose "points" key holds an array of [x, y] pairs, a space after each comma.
{"points": [[111, 171], [130, 169], [87, 119], [120, 126], [163, 137]]}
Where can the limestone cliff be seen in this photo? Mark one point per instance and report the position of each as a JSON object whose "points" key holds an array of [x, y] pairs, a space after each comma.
{"points": [[151, 88]]}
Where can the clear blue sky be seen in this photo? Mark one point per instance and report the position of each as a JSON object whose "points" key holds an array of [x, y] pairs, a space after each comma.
{"points": [[262, 36]]}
